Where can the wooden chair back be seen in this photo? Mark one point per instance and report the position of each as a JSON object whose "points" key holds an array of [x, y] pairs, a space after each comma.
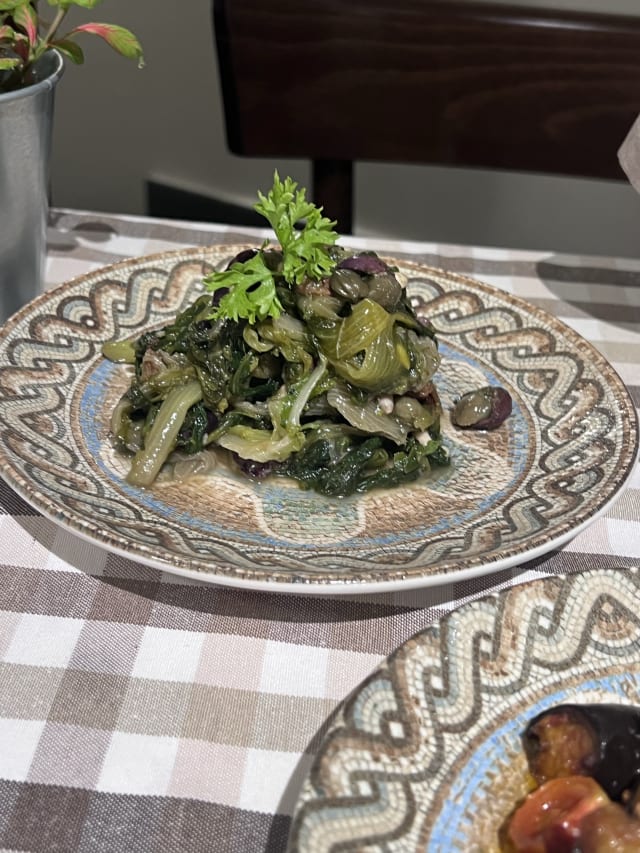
{"points": [[443, 82]]}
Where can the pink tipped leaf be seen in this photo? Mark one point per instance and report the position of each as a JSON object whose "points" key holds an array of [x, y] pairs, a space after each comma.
{"points": [[18, 42], [27, 18], [120, 39]]}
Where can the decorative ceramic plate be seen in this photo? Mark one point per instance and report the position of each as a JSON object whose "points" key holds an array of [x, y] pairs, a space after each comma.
{"points": [[425, 755], [509, 495]]}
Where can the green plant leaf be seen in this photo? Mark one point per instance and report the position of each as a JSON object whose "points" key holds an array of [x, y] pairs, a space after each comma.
{"points": [[70, 49], [12, 5], [27, 18], [250, 284], [8, 34], [6, 63], [120, 39], [251, 291], [64, 4], [305, 249]]}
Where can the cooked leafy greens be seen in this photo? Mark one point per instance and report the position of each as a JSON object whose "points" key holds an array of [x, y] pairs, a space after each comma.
{"points": [[304, 360]]}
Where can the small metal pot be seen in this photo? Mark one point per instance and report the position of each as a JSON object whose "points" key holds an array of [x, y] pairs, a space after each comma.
{"points": [[26, 123]]}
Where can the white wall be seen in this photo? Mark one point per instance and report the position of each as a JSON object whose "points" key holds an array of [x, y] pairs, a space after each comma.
{"points": [[117, 126]]}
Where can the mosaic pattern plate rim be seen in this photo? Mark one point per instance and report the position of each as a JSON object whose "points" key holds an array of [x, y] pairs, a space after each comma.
{"points": [[557, 464], [424, 756]]}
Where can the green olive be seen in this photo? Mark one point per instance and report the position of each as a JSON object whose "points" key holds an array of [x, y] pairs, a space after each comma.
{"points": [[349, 285], [485, 408], [385, 289], [411, 410]]}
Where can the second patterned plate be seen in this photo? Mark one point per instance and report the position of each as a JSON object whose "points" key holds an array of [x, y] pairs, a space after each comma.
{"points": [[425, 756]]}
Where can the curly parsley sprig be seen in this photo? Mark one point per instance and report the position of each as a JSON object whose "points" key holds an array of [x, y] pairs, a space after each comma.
{"points": [[251, 284]]}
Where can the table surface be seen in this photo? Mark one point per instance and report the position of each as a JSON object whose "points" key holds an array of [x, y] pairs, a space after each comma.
{"points": [[143, 712]]}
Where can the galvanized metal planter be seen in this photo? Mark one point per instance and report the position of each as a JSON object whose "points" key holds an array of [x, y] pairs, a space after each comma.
{"points": [[26, 121]]}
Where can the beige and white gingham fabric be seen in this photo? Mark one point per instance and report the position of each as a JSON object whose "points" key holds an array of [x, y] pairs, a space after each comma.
{"points": [[140, 712]]}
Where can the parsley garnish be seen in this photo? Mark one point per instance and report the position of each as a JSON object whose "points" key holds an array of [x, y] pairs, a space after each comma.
{"points": [[251, 284], [251, 291]]}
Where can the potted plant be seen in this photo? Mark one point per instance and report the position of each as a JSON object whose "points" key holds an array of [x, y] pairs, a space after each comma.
{"points": [[33, 47]]}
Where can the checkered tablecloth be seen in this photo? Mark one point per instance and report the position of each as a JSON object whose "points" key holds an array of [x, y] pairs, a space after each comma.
{"points": [[141, 712]]}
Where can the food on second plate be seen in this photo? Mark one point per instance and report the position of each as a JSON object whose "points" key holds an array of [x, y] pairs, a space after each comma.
{"points": [[305, 360], [584, 762]]}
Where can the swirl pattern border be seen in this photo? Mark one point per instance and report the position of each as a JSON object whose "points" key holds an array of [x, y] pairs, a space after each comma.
{"points": [[425, 754], [567, 457]]}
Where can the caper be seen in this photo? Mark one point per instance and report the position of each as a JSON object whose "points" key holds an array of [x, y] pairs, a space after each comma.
{"points": [[385, 289], [485, 408], [411, 411], [349, 285], [272, 259]]}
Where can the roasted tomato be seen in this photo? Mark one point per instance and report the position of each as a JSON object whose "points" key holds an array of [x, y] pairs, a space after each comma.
{"points": [[550, 819], [610, 830]]}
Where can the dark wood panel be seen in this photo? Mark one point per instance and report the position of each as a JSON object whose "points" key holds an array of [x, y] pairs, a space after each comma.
{"points": [[421, 81]]}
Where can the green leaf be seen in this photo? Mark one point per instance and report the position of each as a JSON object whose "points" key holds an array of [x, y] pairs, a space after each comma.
{"points": [[304, 249], [251, 284], [251, 291], [64, 4], [8, 34], [120, 39], [27, 18], [70, 49], [6, 64], [12, 5]]}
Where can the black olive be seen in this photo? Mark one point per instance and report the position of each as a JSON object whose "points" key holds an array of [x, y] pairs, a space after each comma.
{"points": [[485, 408], [241, 257], [602, 741], [365, 264]]}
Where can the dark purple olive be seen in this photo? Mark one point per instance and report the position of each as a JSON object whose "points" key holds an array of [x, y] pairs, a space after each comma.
{"points": [[217, 296], [364, 264], [253, 469], [242, 257], [212, 420], [599, 740], [485, 408]]}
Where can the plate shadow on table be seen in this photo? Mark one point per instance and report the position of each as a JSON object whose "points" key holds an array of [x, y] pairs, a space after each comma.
{"points": [[572, 283], [314, 619]]}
